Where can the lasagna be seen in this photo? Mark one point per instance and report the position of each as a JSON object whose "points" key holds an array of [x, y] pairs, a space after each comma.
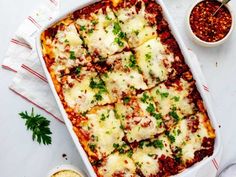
{"points": [[127, 90]]}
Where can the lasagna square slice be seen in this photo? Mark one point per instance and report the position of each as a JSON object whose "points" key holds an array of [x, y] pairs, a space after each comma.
{"points": [[136, 23], [84, 90], [154, 157], [192, 139], [101, 34], [123, 77], [155, 61], [62, 47], [101, 131], [118, 164], [139, 117], [173, 100]]}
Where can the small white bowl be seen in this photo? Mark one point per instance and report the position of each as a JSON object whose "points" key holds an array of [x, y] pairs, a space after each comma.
{"points": [[204, 43], [63, 168]]}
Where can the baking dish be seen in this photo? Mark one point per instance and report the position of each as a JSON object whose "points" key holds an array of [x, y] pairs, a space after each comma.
{"points": [[184, 50]]}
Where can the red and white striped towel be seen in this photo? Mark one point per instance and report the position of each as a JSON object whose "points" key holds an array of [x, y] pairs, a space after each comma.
{"points": [[30, 82]]}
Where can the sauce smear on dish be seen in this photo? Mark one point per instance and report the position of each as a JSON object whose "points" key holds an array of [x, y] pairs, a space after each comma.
{"points": [[207, 27]]}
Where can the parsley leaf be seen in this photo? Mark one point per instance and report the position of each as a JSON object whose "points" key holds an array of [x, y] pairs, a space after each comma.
{"points": [[39, 125], [176, 98], [148, 56], [171, 138], [116, 28], [78, 70], [107, 17], [150, 108], [141, 144], [72, 55], [92, 147], [82, 28], [119, 42], [130, 153], [156, 144], [126, 100], [144, 98], [122, 35], [174, 115], [164, 94], [98, 96], [98, 85], [132, 61]]}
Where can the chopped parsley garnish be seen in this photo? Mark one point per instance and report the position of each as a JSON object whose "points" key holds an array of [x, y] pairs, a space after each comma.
{"points": [[90, 31], [98, 85], [150, 108], [132, 61], [39, 125], [116, 28], [136, 32], [164, 94], [104, 117], [119, 42], [130, 153], [122, 127], [157, 116], [178, 152], [156, 144], [126, 100], [144, 98], [72, 55], [174, 115], [94, 22], [122, 35], [66, 40], [82, 28], [176, 98], [92, 147], [78, 70], [108, 18], [98, 96], [141, 144], [120, 148], [116, 145], [171, 138], [148, 56]]}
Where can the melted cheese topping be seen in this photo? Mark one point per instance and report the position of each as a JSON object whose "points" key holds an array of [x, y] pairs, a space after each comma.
{"points": [[186, 140], [174, 96], [138, 122], [147, 157], [135, 26], [122, 79], [118, 164], [80, 96], [104, 130], [99, 37], [67, 41], [150, 58]]}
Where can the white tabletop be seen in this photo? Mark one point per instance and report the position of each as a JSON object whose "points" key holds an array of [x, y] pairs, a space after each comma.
{"points": [[21, 157]]}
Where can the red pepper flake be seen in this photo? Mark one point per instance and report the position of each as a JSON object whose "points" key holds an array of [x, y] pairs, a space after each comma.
{"points": [[207, 27]]}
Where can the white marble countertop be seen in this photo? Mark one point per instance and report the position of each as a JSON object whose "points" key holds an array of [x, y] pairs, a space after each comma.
{"points": [[218, 65]]}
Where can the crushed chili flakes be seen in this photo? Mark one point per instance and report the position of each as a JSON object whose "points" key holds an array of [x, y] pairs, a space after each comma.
{"points": [[207, 27]]}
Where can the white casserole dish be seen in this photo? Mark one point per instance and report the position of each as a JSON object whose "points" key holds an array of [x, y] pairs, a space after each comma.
{"points": [[189, 171]]}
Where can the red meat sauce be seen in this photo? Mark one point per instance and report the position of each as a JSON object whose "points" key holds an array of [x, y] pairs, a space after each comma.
{"points": [[207, 27]]}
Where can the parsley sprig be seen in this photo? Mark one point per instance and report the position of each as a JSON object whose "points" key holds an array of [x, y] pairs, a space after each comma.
{"points": [[39, 125]]}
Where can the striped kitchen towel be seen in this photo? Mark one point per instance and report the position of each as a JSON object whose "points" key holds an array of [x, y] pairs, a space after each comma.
{"points": [[30, 82]]}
